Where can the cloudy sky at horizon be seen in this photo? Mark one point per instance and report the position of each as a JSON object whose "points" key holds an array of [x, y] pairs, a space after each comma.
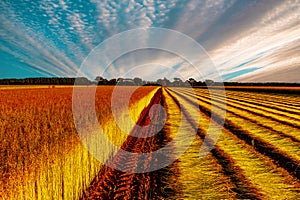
{"points": [[247, 40]]}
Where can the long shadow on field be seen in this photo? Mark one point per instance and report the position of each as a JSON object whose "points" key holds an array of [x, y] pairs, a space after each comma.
{"points": [[159, 184]]}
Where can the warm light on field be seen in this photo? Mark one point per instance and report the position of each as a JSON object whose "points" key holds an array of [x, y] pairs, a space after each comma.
{"points": [[256, 155], [42, 156]]}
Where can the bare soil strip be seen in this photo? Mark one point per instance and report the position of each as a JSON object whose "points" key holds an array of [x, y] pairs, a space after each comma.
{"points": [[169, 183], [114, 184], [162, 184]]}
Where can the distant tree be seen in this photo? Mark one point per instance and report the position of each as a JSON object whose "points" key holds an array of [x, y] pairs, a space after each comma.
{"points": [[159, 81], [166, 82], [138, 81], [81, 81], [112, 81], [192, 82], [120, 81], [187, 83], [128, 81], [101, 81], [99, 78], [209, 82], [144, 82], [200, 83], [163, 82], [177, 82]]}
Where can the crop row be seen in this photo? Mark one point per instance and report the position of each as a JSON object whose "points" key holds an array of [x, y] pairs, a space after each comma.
{"points": [[259, 162], [42, 156]]}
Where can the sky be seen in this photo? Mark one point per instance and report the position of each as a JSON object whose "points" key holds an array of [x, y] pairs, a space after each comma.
{"points": [[246, 40]]}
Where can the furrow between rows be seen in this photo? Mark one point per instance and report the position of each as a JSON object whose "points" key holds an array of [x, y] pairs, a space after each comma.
{"points": [[282, 106], [281, 130], [242, 186], [278, 125], [280, 158], [275, 98], [292, 113], [114, 184], [284, 119], [259, 160]]}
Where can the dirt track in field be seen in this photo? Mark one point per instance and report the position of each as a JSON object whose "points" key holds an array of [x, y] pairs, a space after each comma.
{"points": [[114, 184], [225, 173]]}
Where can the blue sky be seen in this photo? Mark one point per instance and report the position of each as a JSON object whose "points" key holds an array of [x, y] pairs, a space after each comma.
{"points": [[247, 40]]}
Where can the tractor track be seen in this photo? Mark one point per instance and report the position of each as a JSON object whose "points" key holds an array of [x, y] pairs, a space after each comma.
{"points": [[113, 184]]}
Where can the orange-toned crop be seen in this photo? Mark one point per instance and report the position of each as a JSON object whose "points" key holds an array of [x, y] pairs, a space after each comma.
{"points": [[41, 155], [256, 155]]}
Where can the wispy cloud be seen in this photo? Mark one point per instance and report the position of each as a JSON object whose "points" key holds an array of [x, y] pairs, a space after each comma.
{"points": [[264, 44], [247, 40]]}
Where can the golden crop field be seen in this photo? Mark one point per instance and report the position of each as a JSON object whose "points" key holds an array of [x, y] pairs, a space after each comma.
{"points": [[256, 156], [258, 150], [41, 154]]}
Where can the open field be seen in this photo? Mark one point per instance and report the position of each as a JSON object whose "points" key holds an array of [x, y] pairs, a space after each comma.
{"points": [[259, 141], [257, 154], [263, 89], [41, 154], [14, 87]]}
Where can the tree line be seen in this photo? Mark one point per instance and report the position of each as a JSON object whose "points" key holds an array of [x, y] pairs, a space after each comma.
{"points": [[176, 82]]}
